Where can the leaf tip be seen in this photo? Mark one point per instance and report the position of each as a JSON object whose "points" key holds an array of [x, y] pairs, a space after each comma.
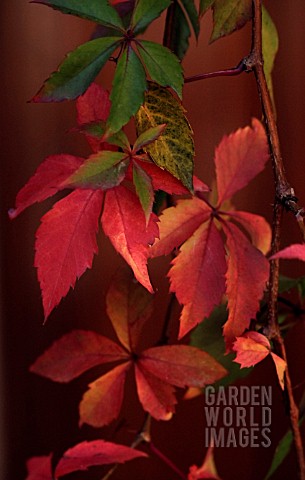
{"points": [[12, 213]]}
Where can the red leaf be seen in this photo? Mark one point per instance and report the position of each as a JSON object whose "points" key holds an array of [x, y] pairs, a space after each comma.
{"points": [[92, 106], [74, 353], [247, 275], [46, 181], [156, 396], [239, 158], [66, 243], [129, 306], [39, 468], [179, 223], [102, 402], [198, 275], [97, 452], [182, 365], [124, 223], [207, 469], [293, 252], [258, 228], [251, 349]]}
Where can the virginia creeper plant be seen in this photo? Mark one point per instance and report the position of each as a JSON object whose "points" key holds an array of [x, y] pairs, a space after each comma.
{"points": [[142, 193]]}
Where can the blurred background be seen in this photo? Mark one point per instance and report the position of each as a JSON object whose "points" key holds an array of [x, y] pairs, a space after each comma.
{"points": [[38, 416]]}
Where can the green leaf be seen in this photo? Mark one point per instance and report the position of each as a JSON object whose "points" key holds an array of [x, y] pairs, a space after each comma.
{"points": [[99, 11], [230, 15], [286, 284], [103, 170], [209, 337], [127, 94], [181, 32], [145, 12], [192, 14], [281, 451], [162, 65], [174, 150], [204, 6], [270, 47], [148, 137], [144, 189], [77, 71]]}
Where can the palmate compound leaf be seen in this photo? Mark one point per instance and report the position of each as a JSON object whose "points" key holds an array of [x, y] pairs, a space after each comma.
{"points": [[66, 243], [74, 353], [124, 223], [46, 181], [98, 11], [77, 71], [97, 452], [246, 278], [239, 158], [204, 254], [229, 16], [174, 150], [129, 305]]}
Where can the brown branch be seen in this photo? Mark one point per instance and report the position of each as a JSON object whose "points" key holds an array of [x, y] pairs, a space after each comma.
{"points": [[284, 197], [228, 72]]}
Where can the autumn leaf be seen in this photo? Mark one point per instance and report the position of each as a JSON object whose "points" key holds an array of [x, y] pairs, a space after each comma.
{"points": [[181, 365], [174, 150], [124, 223], [239, 158], [293, 252], [204, 254], [178, 223], [46, 181], [66, 244], [246, 278], [251, 349], [97, 452], [257, 227], [102, 402], [156, 396], [74, 353]]}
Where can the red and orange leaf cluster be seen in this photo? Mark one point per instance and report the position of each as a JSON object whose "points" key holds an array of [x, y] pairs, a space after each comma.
{"points": [[207, 266], [157, 370]]}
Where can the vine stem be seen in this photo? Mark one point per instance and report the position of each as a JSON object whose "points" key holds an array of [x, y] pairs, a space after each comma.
{"points": [[284, 194]]}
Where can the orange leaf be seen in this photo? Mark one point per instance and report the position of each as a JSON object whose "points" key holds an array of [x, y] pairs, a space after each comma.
{"points": [[251, 349]]}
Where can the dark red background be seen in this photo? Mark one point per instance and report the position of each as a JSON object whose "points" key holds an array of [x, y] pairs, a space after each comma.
{"points": [[37, 415]]}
